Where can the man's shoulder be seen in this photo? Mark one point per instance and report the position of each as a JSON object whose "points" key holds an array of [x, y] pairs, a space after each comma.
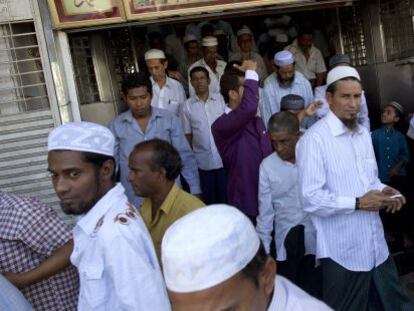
{"points": [[187, 202], [22, 205], [120, 118], [301, 79]]}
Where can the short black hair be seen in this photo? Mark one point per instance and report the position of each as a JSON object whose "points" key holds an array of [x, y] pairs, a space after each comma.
{"points": [[284, 121], [98, 160], [187, 44], [164, 156], [256, 265], [230, 82], [332, 87], [230, 65], [134, 80], [199, 69], [305, 31]]}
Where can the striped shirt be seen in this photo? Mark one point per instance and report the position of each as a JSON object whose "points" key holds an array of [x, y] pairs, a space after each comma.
{"points": [[335, 166]]}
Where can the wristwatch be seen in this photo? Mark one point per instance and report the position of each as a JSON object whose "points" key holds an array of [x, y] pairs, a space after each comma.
{"points": [[357, 207]]}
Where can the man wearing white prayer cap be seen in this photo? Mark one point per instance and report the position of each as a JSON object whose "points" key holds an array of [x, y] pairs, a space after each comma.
{"points": [[113, 251], [213, 260], [211, 62], [192, 54], [283, 81], [167, 93], [341, 191], [245, 41], [320, 93]]}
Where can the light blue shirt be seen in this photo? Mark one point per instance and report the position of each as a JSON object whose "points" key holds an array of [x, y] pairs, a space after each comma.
{"points": [[197, 117], [163, 125], [11, 298], [272, 94]]}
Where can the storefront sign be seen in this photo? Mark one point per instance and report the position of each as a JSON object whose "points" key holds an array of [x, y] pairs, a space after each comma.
{"points": [[149, 9], [80, 13]]}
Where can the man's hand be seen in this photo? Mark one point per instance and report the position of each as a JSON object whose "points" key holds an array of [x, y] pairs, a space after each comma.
{"points": [[399, 201], [376, 200], [17, 279], [246, 65], [312, 108]]}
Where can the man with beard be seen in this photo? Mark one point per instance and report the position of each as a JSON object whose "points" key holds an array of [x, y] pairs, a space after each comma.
{"points": [[113, 251], [285, 80], [341, 191], [211, 62]]}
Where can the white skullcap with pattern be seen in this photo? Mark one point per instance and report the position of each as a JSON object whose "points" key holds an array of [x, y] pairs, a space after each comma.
{"points": [[82, 136]]}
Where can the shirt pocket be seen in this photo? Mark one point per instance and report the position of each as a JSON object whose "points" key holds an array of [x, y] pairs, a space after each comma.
{"points": [[94, 287]]}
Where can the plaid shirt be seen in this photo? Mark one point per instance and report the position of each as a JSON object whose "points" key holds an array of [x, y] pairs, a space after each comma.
{"points": [[29, 233]]}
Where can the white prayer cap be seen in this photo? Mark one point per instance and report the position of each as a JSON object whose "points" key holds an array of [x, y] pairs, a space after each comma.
{"points": [[410, 132], [154, 54], [189, 38], [283, 58], [209, 41], [282, 37], [341, 72], [219, 32], [244, 31], [207, 247], [82, 136]]}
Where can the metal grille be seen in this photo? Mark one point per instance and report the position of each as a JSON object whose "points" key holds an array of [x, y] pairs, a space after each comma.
{"points": [[23, 86], [353, 34], [397, 26], [84, 69]]}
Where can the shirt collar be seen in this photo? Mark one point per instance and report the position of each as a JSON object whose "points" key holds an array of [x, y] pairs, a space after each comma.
{"points": [[337, 127], [227, 110], [197, 99], [279, 298], [155, 112], [167, 82], [89, 221]]}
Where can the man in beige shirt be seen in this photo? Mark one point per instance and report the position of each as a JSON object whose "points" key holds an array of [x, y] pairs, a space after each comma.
{"points": [[154, 166]]}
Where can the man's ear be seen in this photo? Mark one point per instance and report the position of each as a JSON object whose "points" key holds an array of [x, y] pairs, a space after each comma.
{"points": [[233, 94], [165, 64], [267, 276], [107, 169], [329, 98]]}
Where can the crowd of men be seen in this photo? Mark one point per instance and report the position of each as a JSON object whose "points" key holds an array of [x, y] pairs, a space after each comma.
{"points": [[296, 188]]}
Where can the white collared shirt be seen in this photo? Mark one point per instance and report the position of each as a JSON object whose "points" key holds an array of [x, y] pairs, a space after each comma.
{"points": [[197, 117], [288, 297], [116, 260], [280, 207], [215, 77], [169, 97], [320, 93], [314, 64], [272, 94], [335, 167]]}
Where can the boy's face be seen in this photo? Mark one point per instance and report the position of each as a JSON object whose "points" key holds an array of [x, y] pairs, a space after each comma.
{"points": [[389, 116]]}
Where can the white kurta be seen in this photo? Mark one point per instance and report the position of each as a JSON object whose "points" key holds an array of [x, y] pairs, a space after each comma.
{"points": [[116, 260], [363, 117], [335, 167], [280, 207], [171, 96], [288, 297]]}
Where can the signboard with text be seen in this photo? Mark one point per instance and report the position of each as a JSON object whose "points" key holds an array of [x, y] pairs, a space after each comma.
{"points": [[81, 13], [150, 9]]}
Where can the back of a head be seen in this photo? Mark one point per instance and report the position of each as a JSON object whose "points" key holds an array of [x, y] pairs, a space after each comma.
{"points": [[207, 247], [284, 121], [164, 156], [135, 80], [230, 80]]}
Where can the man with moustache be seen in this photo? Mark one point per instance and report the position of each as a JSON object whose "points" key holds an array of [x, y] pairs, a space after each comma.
{"points": [[285, 80], [341, 191], [113, 252]]}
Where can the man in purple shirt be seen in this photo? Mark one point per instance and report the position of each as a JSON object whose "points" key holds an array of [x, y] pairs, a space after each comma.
{"points": [[241, 137]]}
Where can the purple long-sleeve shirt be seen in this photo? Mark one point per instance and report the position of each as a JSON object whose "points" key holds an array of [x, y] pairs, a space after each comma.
{"points": [[243, 143]]}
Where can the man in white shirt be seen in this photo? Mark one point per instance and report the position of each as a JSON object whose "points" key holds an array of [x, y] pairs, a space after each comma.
{"points": [[213, 260], [309, 59], [211, 62], [245, 40], [340, 188], [285, 80], [198, 113], [113, 251], [167, 93], [280, 208], [320, 92]]}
